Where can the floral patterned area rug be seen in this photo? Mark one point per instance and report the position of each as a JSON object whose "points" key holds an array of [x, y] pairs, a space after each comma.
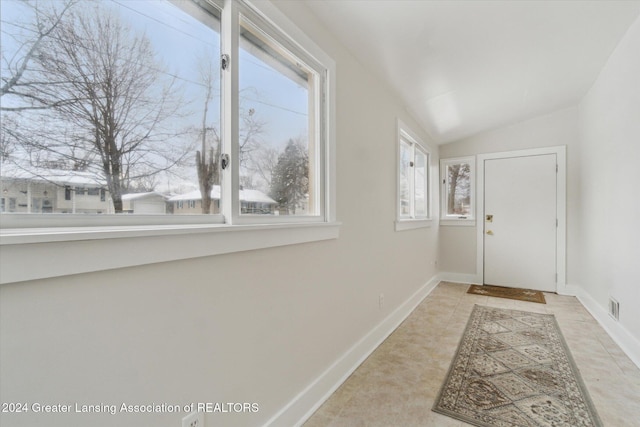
{"points": [[511, 293], [513, 368]]}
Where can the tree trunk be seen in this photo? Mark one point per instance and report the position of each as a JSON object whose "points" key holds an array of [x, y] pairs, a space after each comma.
{"points": [[453, 183]]}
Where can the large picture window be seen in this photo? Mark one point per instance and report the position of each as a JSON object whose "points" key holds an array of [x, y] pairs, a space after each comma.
{"points": [[150, 101]]}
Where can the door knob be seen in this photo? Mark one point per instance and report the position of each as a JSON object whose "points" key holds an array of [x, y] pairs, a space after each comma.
{"points": [[490, 233]]}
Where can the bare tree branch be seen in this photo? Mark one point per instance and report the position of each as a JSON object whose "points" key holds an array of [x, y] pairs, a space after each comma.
{"points": [[109, 100], [53, 19]]}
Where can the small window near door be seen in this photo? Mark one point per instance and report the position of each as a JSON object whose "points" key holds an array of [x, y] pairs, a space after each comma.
{"points": [[457, 188]]}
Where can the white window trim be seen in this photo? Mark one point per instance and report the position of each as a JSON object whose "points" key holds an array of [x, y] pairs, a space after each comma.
{"points": [[411, 224], [257, 13], [27, 254], [459, 222], [403, 223], [462, 221], [96, 246]]}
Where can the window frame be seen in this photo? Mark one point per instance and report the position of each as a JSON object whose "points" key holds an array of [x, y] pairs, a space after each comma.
{"points": [[231, 96], [269, 20], [188, 236], [406, 222], [459, 220]]}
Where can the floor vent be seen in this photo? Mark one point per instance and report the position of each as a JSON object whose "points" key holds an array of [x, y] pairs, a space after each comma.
{"points": [[614, 309]]}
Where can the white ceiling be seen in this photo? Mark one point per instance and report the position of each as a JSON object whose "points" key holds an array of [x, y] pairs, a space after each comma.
{"points": [[463, 67]]}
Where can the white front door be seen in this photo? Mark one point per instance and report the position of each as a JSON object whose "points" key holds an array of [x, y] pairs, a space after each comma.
{"points": [[520, 225]]}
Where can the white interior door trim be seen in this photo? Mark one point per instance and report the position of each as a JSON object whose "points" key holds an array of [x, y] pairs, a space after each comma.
{"points": [[561, 205]]}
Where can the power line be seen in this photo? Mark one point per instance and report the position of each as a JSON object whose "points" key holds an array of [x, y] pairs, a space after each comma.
{"points": [[167, 73], [164, 23], [275, 106]]}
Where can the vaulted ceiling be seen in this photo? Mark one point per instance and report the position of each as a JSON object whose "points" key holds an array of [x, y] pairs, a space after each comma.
{"points": [[463, 67]]}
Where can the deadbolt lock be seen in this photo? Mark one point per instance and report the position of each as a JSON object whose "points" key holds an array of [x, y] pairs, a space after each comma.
{"points": [[489, 218]]}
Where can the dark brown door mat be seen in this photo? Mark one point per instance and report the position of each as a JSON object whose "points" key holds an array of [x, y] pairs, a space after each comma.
{"points": [[510, 293]]}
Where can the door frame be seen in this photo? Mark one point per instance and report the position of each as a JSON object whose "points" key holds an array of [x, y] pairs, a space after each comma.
{"points": [[561, 208]]}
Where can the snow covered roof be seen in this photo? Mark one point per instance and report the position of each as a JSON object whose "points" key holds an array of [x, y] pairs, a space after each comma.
{"points": [[138, 196], [255, 196], [195, 195], [56, 176], [245, 196]]}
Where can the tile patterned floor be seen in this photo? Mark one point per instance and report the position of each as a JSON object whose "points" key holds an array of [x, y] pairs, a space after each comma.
{"points": [[398, 383]]}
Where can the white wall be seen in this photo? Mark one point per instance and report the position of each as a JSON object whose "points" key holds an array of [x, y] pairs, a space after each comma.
{"points": [[458, 244], [256, 326], [609, 230], [602, 136]]}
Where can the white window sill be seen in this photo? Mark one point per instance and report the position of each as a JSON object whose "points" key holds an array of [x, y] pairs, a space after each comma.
{"points": [[458, 222], [29, 254], [410, 224]]}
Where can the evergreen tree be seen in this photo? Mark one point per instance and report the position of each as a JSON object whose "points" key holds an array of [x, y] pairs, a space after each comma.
{"points": [[290, 180]]}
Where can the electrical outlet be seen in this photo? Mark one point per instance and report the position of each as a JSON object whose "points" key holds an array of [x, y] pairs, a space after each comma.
{"points": [[194, 419], [381, 301]]}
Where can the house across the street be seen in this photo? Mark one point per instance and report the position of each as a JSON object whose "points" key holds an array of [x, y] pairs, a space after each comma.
{"points": [[144, 203], [251, 202], [43, 190]]}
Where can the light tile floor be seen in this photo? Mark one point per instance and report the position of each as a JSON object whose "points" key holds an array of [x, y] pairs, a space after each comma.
{"points": [[398, 383]]}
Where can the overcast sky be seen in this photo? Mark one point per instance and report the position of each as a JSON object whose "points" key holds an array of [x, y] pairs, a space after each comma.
{"points": [[178, 39]]}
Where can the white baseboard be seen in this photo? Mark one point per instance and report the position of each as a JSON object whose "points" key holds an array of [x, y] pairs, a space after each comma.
{"points": [[296, 412], [627, 342], [459, 278], [570, 290], [301, 407]]}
